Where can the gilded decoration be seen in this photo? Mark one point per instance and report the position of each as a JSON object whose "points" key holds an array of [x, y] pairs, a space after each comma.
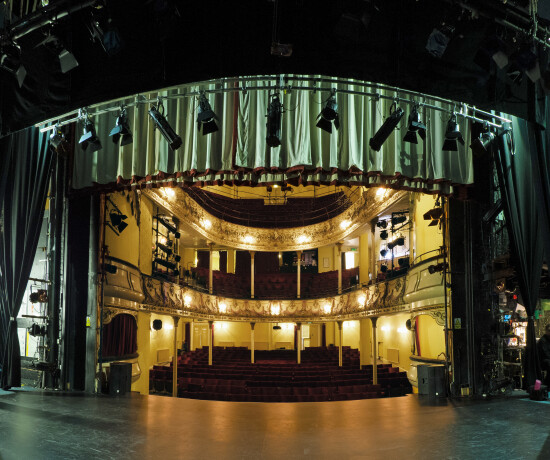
{"points": [[109, 313], [437, 313], [364, 207]]}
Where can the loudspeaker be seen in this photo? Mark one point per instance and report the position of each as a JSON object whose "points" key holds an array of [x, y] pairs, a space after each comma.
{"points": [[431, 380], [120, 379]]}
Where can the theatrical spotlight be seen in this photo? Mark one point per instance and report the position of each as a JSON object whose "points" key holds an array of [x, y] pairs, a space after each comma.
{"points": [[480, 146], [10, 60], [89, 138], [384, 235], [122, 129], [397, 242], [206, 117], [67, 61], [274, 114], [157, 115], [117, 221], [329, 114], [382, 224], [452, 134], [434, 215], [396, 113], [383, 252], [415, 126], [57, 137], [396, 220]]}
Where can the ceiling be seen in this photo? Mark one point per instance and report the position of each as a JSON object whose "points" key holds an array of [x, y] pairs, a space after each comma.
{"points": [[170, 42]]}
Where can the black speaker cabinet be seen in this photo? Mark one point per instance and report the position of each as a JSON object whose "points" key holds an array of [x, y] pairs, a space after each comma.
{"points": [[120, 379], [431, 380]]}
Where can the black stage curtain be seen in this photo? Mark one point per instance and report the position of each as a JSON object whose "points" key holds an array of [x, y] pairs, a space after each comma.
{"points": [[120, 336], [518, 171], [542, 140], [25, 165]]}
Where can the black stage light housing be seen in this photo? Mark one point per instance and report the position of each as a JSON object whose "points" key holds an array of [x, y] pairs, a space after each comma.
{"points": [[274, 117], [384, 234], [10, 61], [170, 227], [383, 268], [117, 220], [434, 216], [164, 248], [386, 129], [164, 127], [383, 252], [382, 224], [403, 262], [89, 139], [397, 242], [329, 115], [481, 145], [166, 263], [206, 117], [396, 220], [415, 126], [57, 137], [67, 61], [122, 130], [452, 135]]}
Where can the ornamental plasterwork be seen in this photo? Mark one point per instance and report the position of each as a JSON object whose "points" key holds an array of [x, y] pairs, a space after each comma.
{"points": [[364, 207], [110, 313], [437, 313]]}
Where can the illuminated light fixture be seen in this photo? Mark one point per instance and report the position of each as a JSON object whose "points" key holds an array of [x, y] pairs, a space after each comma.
{"points": [[401, 330], [345, 224], [385, 328], [157, 115], [384, 235], [67, 61], [361, 299], [329, 114], [206, 224], [169, 192], [187, 299], [382, 224], [397, 242], [89, 139], [327, 308], [380, 193], [415, 126], [11, 62], [396, 113], [122, 129], [396, 220], [274, 117], [480, 146], [248, 239], [222, 308], [169, 326], [275, 309], [452, 135], [302, 239], [206, 116]]}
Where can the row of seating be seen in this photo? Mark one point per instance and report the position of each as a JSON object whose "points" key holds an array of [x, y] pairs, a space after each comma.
{"points": [[277, 379]]}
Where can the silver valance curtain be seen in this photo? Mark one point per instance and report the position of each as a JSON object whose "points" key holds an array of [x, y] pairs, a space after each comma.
{"points": [[238, 154]]}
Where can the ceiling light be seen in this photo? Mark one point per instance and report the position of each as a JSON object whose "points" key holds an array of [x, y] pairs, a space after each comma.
{"points": [[206, 117], [329, 114], [396, 113], [452, 134], [157, 115], [415, 126], [89, 138], [274, 114], [122, 129], [10, 60], [67, 61]]}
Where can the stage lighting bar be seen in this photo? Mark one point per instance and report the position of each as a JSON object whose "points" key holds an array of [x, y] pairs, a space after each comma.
{"points": [[206, 118]]}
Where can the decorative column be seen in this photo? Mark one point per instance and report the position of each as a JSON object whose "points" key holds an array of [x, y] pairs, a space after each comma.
{"points": [[339, 343], [210, 271], [191, 335], [339, 262], [299, 343], [374, 351], [175, 360], [210, 331], [251, 274], [299, 272], [374, 252], [252, 342]]}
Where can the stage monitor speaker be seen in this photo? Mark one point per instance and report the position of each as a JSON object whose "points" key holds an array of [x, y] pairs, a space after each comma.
{"points": [[120, 378], [431, 380]]}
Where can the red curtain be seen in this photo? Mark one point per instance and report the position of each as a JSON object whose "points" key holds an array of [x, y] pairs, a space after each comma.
{"points": [[203, 259], [120, 336], [223, 261]]}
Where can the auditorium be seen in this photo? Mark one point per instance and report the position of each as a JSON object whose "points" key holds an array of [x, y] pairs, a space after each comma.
{"points": [[274, 228]]}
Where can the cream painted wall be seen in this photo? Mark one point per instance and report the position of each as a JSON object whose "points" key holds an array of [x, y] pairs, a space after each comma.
{"points": [[187, 258], [365, 341], [231, 260], [426, 238], [326, 252], [126, 245], [330, 333], [144, 345], [227, 333], [392, 334], [314, 335], [364, 258], [351, 332], [432, 337]]}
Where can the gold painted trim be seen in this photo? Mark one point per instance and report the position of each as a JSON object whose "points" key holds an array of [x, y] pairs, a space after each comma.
{"points": [[363, 209]]}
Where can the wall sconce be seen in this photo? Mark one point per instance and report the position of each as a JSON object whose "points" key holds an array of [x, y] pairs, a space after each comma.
{"points": [[187, 300], [327, 308], [169, 326], [222, 308], [385, 328], [361, 299], [401, 330], [275, 309]]}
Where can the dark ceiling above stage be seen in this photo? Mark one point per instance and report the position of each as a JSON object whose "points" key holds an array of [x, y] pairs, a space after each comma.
{"points": [[220, 38]]}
